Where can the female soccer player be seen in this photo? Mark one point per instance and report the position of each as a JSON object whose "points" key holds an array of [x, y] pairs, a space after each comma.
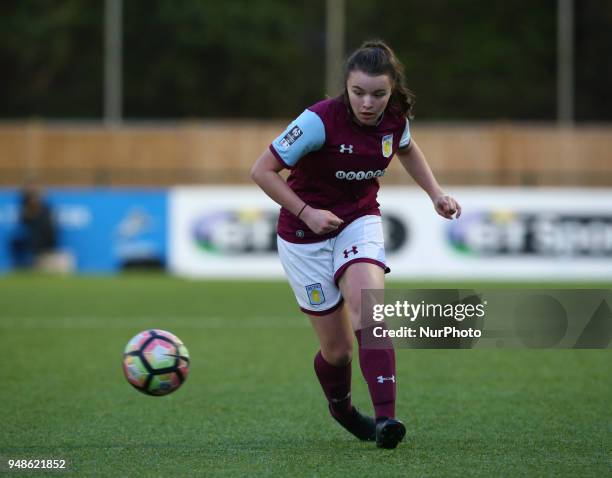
{"points": [[330, 237]]}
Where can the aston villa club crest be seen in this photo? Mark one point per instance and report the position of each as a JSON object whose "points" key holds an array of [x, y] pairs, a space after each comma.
{"points": [[315, 294], [387, 145]]}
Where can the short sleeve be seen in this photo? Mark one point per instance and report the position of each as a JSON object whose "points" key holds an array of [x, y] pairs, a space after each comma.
{"points": [[304, 135], [405, 139]]}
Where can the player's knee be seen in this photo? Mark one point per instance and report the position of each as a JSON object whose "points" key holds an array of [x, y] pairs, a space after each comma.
{"points": [[339, 354]]}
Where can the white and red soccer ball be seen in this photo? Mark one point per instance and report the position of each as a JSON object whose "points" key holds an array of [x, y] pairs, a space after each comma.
{"points": [[156, 362]]}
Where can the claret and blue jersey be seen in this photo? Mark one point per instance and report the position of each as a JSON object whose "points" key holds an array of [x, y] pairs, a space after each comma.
{"points": [[335, 163]]}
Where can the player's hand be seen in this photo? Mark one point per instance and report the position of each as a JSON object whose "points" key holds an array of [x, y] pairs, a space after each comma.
{"points": [[447, 206], [321, 221]]}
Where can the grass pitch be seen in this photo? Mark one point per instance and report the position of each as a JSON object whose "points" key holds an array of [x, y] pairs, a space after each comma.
{"points": [[252, 405]]}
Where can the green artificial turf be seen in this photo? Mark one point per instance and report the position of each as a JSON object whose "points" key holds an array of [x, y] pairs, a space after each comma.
{"points": [[252, 405]]}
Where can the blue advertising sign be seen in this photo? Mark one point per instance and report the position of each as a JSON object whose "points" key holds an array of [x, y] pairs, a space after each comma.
{"points": [[105, 230]]}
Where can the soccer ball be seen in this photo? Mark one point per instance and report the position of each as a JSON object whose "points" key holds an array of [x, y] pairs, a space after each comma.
{"points": [[156, 362]]}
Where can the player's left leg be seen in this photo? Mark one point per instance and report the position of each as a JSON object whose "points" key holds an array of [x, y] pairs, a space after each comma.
{"points": [[377, 364], [360, 264]]}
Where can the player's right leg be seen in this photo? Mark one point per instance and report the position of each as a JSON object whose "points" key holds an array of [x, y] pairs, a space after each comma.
{"points": [[309, 268], [333, 369]]}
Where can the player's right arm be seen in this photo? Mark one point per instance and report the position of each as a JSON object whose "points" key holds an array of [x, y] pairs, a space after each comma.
{"points": [[265, 174], [304, 135]]}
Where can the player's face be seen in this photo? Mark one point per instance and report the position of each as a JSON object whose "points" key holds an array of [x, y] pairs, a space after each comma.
{"points": [[368, 95]]}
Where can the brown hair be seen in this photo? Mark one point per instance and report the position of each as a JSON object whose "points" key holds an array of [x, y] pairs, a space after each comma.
{"points": [[375, 57]]}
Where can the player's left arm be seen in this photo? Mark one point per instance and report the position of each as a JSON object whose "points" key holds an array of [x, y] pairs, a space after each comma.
{"points": [[414, 162]]}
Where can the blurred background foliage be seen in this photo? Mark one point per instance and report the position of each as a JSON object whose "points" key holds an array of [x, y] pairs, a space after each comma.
{"points": [[465, 59]]}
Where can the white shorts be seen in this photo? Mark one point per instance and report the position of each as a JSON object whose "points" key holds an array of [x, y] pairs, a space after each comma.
{"points": [[315, 269]]}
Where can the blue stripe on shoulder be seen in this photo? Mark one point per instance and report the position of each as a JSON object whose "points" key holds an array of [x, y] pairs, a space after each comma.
{"points": [[304, 135]]}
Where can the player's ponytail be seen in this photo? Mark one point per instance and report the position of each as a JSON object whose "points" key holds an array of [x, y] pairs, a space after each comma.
{"points": [[375, 57]]}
